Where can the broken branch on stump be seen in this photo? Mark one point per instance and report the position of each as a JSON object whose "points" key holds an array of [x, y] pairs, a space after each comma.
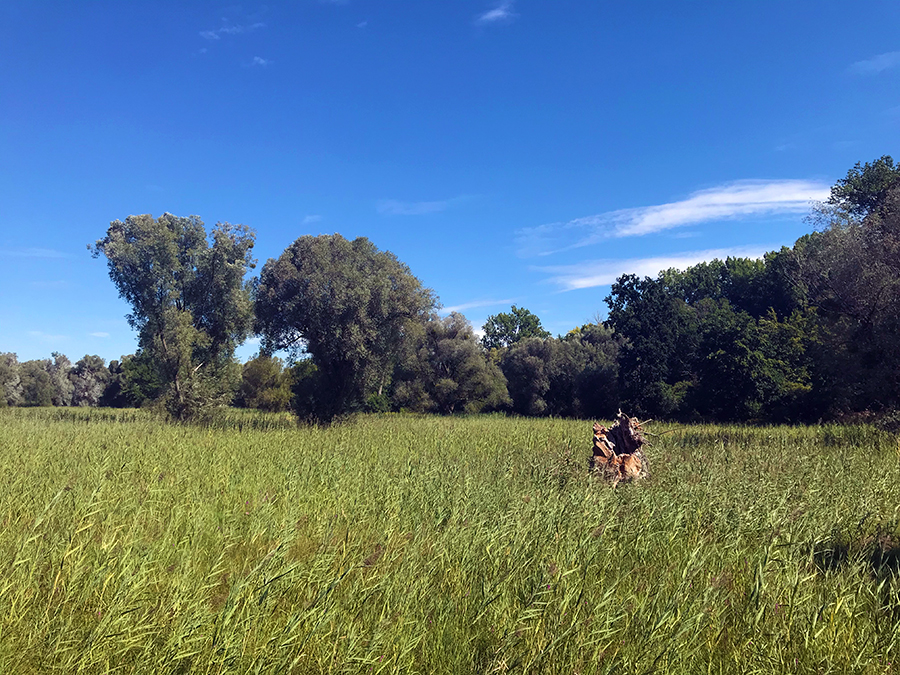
{"points": [[618, 454]]}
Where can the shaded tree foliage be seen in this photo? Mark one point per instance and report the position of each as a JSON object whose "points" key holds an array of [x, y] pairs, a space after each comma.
{"points": [[189, 303], [851, 273], [10, 380], [449, 372], [575, 376], [726, 340], [133, 381], [351, 307], [37, 386], [265, 384]]}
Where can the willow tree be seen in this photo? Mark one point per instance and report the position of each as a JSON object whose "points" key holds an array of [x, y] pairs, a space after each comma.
{"points": [[347, 305], [189, 303]]}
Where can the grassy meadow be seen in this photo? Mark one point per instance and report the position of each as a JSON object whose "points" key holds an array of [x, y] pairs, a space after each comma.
{"points": [[441, 545]]}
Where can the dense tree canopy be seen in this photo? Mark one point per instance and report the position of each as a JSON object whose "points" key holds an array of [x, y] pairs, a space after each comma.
{"points": [[506, 328], [188, 301], [89, 378], [865, 188], [575, 376], [265, 384], [450, 372], [350, 306], [801, 334], [10, 380]]}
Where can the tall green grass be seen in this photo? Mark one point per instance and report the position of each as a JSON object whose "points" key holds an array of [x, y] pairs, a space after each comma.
{"points": [[441, 545]]}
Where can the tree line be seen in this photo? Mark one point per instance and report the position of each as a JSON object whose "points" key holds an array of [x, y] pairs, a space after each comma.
{"points": [[805, 333]]}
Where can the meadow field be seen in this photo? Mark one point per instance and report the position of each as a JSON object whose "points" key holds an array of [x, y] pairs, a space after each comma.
{"points": [[416, 544]]}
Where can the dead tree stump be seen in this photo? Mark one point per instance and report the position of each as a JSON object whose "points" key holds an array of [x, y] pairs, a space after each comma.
{"points": [[617, 451]]}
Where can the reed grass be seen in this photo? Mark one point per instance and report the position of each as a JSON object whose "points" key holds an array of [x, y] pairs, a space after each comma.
{"points": [[415, 544]]}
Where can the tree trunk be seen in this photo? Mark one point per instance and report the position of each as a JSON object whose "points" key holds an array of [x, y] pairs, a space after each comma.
{"points": [[617, 451]]}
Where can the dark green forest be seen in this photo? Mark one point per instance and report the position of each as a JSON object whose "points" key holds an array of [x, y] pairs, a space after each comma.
{"points": [[806, 333]]}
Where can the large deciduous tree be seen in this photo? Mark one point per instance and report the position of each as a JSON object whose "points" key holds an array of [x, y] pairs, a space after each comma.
{"points": [[506, 328], [850, 269], [351, 307], [89, 378], [37, 387], [189, 303], [10, 380]]}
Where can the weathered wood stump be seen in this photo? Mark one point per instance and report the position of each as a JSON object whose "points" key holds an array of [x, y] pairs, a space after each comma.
{"points": [[617, 451]]}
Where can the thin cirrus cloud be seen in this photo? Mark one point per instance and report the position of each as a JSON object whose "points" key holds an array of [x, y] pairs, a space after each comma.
{"points": [[99, 334], [50, 285], [476, 304], [230, 29], [877, 64], [33, 253], [259, 61], [592, 273], [740, 199], [312, 218], [502, 12], [395, 207], [47, 337]]}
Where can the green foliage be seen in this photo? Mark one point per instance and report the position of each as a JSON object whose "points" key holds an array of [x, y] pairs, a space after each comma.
{"points": [[441, 545], [10, 380], [851, 272], [265, 385], [62, 387], [188, 302], [351, 307], [505, 329], [866, 187], [37, 386], [378, 403], [661, 334], [133, 382], [90, 378], [802, 334], [572, 377], [699, 344], [449, 372], [306, 382]]}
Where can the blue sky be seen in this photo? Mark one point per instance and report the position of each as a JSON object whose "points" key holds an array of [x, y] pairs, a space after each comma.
{"points": [[522, 152]]}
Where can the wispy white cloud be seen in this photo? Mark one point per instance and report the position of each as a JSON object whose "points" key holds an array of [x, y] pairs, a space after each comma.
{"points": [[50, 284], [312, 218], [47, 337], [259, 61], [502, 12], [33, 253], [740, 199], [362, 24], [593, 273], [99, 334], [395, 207], [475, 304], [877, 64], [229, 28]]}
